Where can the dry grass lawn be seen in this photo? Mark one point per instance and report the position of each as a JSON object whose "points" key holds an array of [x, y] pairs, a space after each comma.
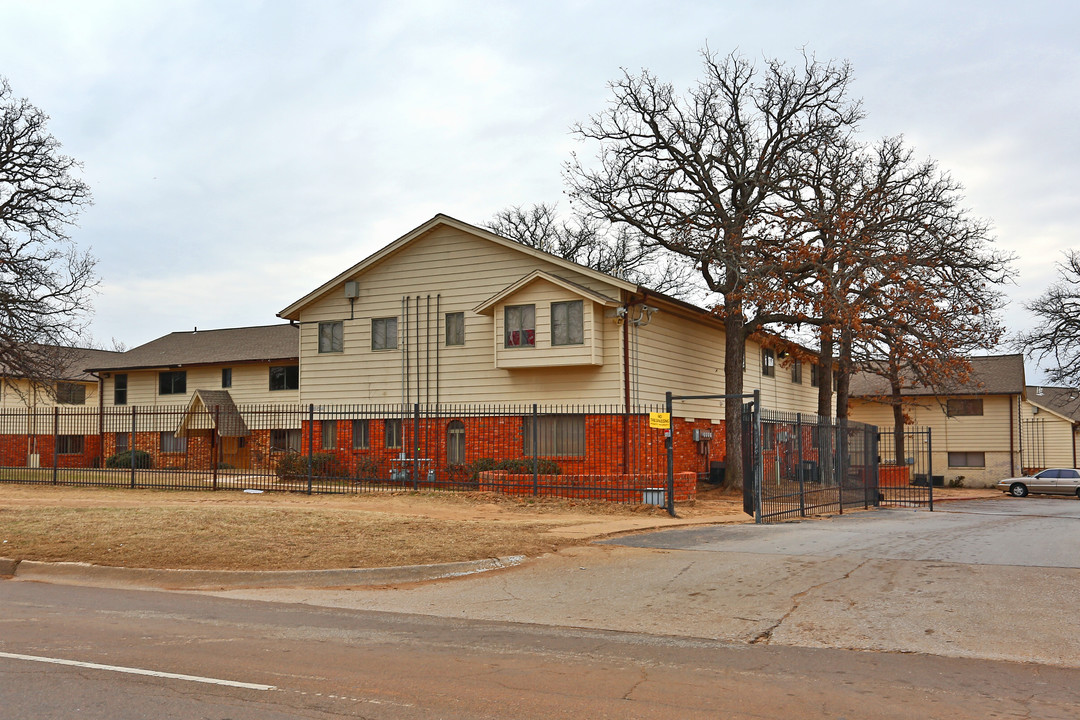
{"points": [[233, 530]]}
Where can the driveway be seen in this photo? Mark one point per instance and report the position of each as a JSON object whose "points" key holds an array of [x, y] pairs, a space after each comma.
{"points": [[1025, 532]]}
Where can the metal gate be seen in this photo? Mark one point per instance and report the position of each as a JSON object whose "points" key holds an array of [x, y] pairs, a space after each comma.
{"points": [[905, 467], [807, 465]]}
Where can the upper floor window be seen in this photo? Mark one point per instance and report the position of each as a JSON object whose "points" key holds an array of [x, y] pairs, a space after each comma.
{"points": [[455, 328], [796, 371], [768, 362], [965, 406], [519, 325], [815, 376], [567, 323], [384, 333], [70, 393], [172, 382], [331, 336], [285, 377], [226, 377], [120, 389]]}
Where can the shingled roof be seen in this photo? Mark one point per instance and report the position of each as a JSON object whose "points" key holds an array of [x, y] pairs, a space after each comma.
{"points": [[210, 347], [991, 375], [62, 362], [1064, 401]]}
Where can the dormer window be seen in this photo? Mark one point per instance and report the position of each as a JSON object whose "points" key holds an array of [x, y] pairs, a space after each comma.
{"points": [[520, 326]]}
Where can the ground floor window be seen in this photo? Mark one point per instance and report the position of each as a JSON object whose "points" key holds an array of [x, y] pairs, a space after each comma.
{"points": [[121, 440], [285, 440], [455, 443], [967, 459], [360, 438], [393, 433], [555, 435], [170, 443], [329, 434], [69, 444]]}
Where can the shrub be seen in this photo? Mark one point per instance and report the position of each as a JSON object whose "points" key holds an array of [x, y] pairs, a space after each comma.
{"points": [[481, 465], [367, 468], [123, 460], [294, 466]]}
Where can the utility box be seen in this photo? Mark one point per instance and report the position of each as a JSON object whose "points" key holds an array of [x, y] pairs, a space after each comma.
{"points": [[654, 496]]}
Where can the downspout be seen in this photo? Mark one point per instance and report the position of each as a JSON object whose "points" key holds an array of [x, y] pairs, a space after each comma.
{"points": [[626, 387]]}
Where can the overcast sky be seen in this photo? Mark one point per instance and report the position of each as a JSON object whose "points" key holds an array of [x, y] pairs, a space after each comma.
{"points": [[243, 153]]}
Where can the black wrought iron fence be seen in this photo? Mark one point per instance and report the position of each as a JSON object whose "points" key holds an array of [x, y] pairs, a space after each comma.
{"points": [[906, 473], [589, 452]]}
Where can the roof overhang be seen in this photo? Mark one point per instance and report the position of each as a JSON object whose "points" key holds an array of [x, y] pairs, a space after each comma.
{"points": [[292, 312], [488, 306]]}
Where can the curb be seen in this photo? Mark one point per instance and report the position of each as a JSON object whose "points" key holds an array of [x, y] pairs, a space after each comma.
{"points": [[68, 573]]}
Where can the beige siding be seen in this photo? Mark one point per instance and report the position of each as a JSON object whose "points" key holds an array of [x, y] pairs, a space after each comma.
{"points": [[250, 384], [18, 393], [686, 356], [995, 433], [1051, 435], [449, 271]]}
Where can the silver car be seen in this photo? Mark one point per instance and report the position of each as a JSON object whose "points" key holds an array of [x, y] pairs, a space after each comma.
{"points": [[1053, 481]]}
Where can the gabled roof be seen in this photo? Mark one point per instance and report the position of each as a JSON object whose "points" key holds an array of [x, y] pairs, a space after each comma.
{"points": [[990, 375], [213, 409], [291, 312], [489, 304], [210, 347], [1060, 400]]}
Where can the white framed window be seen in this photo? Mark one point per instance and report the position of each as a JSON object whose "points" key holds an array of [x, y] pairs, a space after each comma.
{"points": [[455, 329], [519, 326], [568, 323]]}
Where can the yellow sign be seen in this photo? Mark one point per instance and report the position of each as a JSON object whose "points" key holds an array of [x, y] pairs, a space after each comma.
{"points": [[660, 421]]}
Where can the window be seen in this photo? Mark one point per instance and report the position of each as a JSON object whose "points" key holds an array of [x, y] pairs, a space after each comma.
{"points": [[331, 336], [361, 440], [170, 443], [455, 328], [70, 393], [172, 382], [567, 323], [815, 376], [329, 434], [967, 459], [384, 333], [121, 442], [393, 433], [285, 377], [69, 445], [455, 443], [285, 440], [768, 362], [226, 377], [519, 325], [556, 435], [796, 371], [962, 407], [120, 389]]}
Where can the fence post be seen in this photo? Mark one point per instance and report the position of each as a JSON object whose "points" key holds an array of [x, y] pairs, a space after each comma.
{"points": [[800, 472], [55, 445], [930, 466], [670, 442], [416, 433], [310, 443], [131, 446], [536, 450], [759, 457], [215, 442]]}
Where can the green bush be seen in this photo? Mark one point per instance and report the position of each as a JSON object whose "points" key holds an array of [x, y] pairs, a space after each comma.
{"points": [[123, 460], [481, 465], [367, 468], [294, 466]]}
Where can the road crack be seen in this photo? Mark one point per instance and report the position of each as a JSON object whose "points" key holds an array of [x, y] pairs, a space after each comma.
{"points": [[763, 637]]}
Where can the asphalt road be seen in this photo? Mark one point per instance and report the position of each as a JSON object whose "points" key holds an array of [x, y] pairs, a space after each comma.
{"points": [[146, 654]]}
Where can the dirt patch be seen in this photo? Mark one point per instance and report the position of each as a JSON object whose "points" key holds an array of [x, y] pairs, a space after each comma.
{"points": [[229, 530]]}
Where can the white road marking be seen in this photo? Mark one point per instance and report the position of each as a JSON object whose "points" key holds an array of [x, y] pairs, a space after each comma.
{"points": [[138, 671]]}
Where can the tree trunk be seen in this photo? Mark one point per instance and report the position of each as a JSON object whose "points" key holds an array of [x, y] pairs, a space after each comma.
{"points": [[898, 423], [843, 384], [824, 402], [734, 358]]}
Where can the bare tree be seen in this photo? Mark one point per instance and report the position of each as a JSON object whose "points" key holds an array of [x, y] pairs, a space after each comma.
{"points": [[707, 176], [597, 245], [1057, 336], [45, 281]]}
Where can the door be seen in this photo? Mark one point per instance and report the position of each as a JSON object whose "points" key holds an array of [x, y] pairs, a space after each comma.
{"points": [[235, 452]]}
